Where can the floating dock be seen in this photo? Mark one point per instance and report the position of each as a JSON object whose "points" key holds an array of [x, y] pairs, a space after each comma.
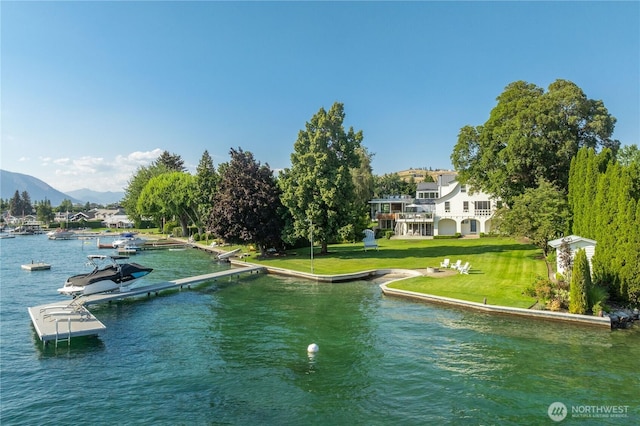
{"points": [[60, 321], [36, 266]]}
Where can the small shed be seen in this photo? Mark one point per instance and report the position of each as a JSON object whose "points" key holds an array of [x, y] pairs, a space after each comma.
{"points": [[575, 243]]}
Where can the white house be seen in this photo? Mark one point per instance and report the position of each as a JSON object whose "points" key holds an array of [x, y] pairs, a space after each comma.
{"points": [[445, 207], [575, 243]]}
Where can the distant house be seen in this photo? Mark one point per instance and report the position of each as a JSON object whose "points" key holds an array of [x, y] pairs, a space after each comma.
{"points": [[444, 207], [575, 243]]}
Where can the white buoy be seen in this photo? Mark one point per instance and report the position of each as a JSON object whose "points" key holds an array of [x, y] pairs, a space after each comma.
{"points": [[312, 348]]}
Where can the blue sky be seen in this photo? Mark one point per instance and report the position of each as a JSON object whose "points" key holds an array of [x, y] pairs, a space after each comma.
{"points": [[92, 90]]}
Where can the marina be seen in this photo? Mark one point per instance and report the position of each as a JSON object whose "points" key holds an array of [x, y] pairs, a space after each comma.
{"points": [[60, 322]]}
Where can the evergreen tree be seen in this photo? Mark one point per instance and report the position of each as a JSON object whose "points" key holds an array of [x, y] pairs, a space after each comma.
{"points": [[319, 189], [16, 207], [206, 183], [580, 284], [27, 207], [173, 162]]}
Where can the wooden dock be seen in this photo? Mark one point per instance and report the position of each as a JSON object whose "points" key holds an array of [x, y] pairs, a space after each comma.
{"points": [[60, 321]]}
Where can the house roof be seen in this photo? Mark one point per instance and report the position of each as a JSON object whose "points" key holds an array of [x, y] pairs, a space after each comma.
{"points": [[570, 239]]}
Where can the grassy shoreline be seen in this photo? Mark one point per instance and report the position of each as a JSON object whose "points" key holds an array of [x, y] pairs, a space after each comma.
{"points": [[501, 268]]}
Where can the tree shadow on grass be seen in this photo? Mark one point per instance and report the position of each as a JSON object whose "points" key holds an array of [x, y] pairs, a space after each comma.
{"points": [[396, 251]]}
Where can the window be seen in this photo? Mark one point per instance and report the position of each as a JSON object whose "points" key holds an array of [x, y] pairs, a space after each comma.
{"points": [[386, 208], [482, 207], [427, 195], [465, 206], [447, 206], [463, 188]]}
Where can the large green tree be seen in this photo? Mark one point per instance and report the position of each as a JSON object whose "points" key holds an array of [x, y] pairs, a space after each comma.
{"points": [[318, 189], [44, 211], [531, 134], [539, 214], [170, 195], [246, 207], [135, 187], [393, 184]]}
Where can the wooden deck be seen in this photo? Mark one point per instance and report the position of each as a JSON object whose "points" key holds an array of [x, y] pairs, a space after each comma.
{"points": [[60, 321]]}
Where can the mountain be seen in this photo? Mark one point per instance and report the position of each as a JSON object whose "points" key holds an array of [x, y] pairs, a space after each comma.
{"points": [[104, 198], [39, 191]]}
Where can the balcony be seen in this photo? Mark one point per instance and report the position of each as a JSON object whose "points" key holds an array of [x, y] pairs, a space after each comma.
{"points": [[415, 217]]}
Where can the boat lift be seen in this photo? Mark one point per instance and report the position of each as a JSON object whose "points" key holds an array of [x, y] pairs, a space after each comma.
{"points": [[61, 321]]}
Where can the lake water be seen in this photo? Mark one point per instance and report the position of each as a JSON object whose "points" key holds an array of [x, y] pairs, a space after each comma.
{"points": [[233, 352]]}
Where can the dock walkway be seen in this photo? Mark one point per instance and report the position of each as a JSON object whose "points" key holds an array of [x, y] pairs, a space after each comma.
{"points": [[64, 320]]}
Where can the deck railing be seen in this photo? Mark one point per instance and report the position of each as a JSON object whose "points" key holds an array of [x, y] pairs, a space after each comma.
{"points": [[415, 216]]}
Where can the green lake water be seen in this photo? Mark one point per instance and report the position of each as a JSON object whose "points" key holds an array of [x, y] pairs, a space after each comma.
{"points": [[233, 352]]}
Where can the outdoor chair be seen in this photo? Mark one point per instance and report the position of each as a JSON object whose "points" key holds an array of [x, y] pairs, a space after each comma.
{"points": [[445, 264], [457, 264], [369, 239], [465, 268]]}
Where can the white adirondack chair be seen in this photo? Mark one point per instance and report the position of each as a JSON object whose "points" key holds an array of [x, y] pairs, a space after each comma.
{"points": [[465, 269], [369, 239], [456, 265], [445, 264]]}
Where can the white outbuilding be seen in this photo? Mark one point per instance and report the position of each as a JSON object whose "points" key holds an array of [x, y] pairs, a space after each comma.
{"points": [[575, 243]]}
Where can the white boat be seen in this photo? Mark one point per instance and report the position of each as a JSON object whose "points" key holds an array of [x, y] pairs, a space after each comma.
{"points": [[128, 249], [108, 275], [61, 234], [226, 255], [128, 239], [5, 235]]}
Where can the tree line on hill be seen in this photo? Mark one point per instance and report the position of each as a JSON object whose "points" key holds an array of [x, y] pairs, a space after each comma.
{"points": [[20, 205]]}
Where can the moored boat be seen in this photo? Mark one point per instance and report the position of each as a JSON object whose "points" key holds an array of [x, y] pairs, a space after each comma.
{"points": [[61, 234], [128, 239], [104, 278]]}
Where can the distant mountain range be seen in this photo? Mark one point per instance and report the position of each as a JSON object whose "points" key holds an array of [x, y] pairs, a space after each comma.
{"points": [[39, 191]]}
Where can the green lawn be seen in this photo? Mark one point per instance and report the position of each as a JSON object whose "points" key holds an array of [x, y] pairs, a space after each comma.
{"points": [[501, 268]]}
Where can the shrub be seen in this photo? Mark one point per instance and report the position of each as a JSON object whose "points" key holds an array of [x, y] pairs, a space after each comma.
{"points": [[169, 226], [388, 235], [543, 288], [580, 284], [597, 296]]}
